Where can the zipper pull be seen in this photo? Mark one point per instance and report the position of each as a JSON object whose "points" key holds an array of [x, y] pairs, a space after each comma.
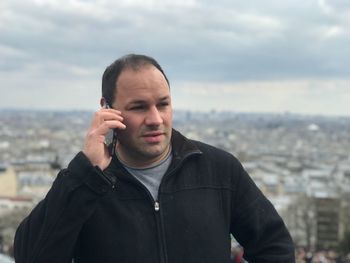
{"points": [[156, 206]]}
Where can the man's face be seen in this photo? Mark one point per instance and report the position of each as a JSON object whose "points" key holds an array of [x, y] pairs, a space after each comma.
{"points": [[143, 97]]}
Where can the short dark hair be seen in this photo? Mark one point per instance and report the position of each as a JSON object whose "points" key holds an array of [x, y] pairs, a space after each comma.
{"points": [[113, 71]]}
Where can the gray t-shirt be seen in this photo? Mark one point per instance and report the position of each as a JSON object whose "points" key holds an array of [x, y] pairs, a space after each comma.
{"points": [[151, 176]]}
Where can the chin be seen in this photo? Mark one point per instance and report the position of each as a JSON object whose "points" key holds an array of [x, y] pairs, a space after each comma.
{"points": [[155, 152]]}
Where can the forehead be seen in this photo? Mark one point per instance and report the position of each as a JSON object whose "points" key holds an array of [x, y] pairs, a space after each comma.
{"points": [[144, 80]]}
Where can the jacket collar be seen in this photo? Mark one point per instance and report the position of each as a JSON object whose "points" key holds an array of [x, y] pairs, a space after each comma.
{"points": [[182, 147]]}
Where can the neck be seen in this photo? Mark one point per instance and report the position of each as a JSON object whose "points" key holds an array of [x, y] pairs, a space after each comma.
{"points": [[140, 161]]}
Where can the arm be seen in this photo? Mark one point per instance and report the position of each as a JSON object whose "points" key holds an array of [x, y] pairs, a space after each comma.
{"points": [[50, 232], [257, 226]]}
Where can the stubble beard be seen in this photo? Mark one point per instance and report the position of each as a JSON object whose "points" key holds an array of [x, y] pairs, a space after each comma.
{"points": [[144, 152]]}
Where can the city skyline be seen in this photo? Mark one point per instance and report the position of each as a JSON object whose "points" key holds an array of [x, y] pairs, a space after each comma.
{"points": [[228, 55]]}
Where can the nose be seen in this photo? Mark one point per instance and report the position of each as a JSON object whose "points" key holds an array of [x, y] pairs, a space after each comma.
{"points": [[153, 117]]}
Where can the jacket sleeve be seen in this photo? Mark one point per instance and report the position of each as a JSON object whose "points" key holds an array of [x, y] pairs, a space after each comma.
{"points": [[50, 231], [256, 225]]}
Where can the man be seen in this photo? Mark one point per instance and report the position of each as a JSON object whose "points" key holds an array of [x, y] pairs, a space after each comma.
{"points": [[154, 195]]}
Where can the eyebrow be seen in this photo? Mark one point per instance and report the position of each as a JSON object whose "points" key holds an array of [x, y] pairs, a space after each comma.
{"points": [[145, 102], [165, 98]]}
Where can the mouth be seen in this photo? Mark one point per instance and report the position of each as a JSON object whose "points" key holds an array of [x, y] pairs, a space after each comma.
{"points": [[153, 137]]}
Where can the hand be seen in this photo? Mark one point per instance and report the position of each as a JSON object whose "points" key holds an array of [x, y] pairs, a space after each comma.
{"points": [[95, 148]]}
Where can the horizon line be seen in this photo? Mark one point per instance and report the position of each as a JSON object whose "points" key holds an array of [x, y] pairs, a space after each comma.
{"points": [[213, 111]]}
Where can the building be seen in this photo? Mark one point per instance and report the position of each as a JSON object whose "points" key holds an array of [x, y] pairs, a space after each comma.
{"points": [[327, 216], [8, 182]]}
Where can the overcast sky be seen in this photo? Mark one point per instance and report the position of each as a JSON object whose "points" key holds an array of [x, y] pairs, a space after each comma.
{"points": [[260, 56]]}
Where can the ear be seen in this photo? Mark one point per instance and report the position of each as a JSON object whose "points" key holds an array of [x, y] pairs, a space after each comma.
{"points": [[103, 102]]}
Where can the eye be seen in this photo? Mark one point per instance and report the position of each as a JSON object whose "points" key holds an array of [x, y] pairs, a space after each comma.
{"points": [[137, 107], [163, 104]]}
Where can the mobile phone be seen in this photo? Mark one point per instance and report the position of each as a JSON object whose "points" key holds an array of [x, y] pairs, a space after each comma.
{"points": [[111, 137]]}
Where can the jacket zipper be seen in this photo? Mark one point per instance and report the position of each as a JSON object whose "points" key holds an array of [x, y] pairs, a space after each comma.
{"points": [[160, 234], [158, 211], [156, 206]]}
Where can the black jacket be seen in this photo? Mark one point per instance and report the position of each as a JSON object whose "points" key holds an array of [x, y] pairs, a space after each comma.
{"points": [[102, 217]]}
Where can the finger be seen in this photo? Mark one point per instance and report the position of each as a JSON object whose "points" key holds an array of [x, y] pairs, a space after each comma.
{"points": [[107, 125], [110, 110], [115, 124], [103, 115], [108, 114], [108, 117]]}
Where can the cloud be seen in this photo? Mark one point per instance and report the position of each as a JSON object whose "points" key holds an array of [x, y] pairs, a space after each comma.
{"points": [[325, 7], [196, 41]]}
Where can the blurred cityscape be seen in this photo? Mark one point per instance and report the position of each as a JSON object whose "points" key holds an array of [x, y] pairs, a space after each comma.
{"points": [[301, 163]]}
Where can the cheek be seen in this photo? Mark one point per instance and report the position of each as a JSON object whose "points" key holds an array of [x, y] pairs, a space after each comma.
{"points": [[168, 118], [132, 125]]}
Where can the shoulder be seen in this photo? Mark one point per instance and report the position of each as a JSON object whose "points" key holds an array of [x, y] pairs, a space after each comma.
{"points": [[214, 154], [208, 149]]}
